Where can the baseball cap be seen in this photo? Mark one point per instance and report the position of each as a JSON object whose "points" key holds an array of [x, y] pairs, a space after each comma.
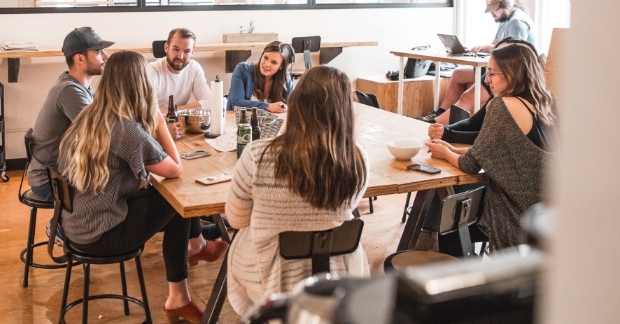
{"points": [[492, 5], [82, 39]]}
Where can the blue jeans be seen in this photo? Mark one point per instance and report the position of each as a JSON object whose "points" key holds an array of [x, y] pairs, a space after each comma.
{"points": [[44, 192]]}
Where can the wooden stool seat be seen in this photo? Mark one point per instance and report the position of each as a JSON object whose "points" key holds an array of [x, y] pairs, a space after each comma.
{"points": [[401, 260]]}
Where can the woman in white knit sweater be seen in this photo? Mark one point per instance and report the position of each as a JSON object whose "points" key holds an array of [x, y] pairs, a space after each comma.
{"points": [[310, 178]]}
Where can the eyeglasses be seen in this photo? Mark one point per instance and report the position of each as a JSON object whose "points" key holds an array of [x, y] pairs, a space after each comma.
{"points": [[490, 75]]}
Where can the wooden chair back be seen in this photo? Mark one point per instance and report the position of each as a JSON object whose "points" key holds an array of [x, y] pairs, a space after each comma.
{"points": [[63, 199]]}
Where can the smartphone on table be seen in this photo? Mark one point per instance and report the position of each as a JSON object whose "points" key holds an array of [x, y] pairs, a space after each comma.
{"points": [[194, 155], [423, 168]]}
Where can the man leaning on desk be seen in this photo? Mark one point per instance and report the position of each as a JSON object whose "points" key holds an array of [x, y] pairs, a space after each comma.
{"points": [[178, 75], [513, 21]]}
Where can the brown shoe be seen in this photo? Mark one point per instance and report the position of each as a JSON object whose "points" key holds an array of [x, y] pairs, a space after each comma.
{"points": [[213, 251], [190, 312]]}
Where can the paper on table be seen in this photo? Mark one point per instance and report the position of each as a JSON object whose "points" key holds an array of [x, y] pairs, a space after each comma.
{"points": [[226, 142]]}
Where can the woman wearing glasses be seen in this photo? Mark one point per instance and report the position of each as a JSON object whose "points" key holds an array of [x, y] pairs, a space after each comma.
{"points": [[514, 146], [266, 84]]}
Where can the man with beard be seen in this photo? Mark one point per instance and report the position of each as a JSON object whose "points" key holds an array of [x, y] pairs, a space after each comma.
{"points": [[513, 21], [85, 55], [178, 75]]}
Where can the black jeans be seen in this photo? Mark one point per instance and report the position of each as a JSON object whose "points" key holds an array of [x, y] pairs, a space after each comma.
{"points": [[148, 214]]}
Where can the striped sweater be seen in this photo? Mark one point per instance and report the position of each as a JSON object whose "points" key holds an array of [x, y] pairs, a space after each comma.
{"points": [[261, 209]]}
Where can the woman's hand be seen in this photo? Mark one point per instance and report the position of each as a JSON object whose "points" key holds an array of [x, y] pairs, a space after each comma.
{"points": [[438, 149], [435, 131], [277, 107]]}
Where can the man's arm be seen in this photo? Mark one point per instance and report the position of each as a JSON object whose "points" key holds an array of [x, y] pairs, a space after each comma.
{"points": [[72, 99], [200, 89]]}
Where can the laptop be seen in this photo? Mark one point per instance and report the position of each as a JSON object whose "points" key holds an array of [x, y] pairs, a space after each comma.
{"points": [[452, 44]]}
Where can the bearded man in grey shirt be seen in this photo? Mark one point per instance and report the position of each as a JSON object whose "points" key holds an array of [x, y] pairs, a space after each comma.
{"points": [[84, 52]]}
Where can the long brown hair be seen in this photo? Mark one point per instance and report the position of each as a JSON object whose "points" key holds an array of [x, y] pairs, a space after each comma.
{"points": [[125, 92], [279, 79], [317, 157], [524, 78]]}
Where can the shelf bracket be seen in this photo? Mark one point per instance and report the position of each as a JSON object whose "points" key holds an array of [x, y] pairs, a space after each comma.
{"points": [[326, 55], [235, 57], [13, 69]]}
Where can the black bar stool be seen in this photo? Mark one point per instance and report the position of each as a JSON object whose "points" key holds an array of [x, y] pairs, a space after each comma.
{"points": [[63, 199], [29, 199]]}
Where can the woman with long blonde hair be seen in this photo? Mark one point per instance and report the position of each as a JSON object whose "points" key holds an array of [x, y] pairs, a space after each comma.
{"points": [[310, 178], [107, 155], [515, 145]]}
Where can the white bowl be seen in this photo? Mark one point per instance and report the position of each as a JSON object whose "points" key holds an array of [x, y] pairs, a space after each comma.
{"points": [[404, 150]]}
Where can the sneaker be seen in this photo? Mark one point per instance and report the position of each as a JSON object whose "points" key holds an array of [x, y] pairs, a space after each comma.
{"points": [[59, 236], [430, 118]]}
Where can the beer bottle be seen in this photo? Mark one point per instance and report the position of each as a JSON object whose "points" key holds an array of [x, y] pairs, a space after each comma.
{"points": [[171, 116], [244, 133], [256, 132]]}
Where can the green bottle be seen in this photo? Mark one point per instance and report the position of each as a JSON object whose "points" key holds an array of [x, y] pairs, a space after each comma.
{"points": [[244, 133]]}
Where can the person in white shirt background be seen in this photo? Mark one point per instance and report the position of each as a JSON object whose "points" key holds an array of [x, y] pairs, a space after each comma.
{"points": [[178, 75]]}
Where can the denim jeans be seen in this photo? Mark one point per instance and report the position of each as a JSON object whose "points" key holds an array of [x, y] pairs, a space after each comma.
{"points": [[44, 192]]}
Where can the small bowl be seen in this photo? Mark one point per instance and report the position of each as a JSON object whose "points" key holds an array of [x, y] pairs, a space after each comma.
{"points": [[197, 121], [404, 150]]}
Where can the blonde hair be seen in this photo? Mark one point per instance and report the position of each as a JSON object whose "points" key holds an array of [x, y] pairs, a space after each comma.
{"points": [[317, 157], [125, 92]]}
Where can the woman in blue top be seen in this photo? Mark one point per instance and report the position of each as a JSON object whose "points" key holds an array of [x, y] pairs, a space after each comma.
{"points": [[264, 85]]}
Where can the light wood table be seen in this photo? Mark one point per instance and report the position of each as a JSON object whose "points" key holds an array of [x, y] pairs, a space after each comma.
{"points": [[476, 62], [373, 128], [235, 52]]}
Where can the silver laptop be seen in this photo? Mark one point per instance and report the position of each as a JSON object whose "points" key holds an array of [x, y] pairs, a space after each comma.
{"points": [[452, 44]]}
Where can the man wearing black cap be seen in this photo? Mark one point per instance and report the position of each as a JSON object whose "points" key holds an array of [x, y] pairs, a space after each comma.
{"points": [[514, 22], [85, 56]]}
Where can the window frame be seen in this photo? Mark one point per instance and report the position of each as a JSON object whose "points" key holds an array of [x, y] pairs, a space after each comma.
{"points": [[142, 7]]}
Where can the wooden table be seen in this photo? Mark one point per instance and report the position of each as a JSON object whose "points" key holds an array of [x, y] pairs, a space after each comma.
{"points": [[373, 128], [476, 62], [235, 52]]}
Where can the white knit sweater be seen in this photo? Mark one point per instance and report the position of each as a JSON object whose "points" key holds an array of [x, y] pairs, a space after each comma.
{"points": [[261, 209]]}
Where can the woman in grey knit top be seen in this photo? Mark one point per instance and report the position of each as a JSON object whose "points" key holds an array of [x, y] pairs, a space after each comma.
{"points": [[515, 143]]}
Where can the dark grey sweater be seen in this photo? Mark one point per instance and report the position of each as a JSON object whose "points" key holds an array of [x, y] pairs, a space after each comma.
{"points": [[515, 168]]}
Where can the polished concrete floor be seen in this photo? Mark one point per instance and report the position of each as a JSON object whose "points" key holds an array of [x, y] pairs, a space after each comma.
{"points": [[40, 301]]}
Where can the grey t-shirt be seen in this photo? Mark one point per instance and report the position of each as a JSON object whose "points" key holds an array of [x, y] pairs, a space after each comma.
{"points": [[63, 103], [131, 150], [519, 25]]}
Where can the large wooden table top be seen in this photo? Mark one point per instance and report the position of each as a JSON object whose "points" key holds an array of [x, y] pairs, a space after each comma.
{"points": [[374, 127], [444, 57], [205, 47]]}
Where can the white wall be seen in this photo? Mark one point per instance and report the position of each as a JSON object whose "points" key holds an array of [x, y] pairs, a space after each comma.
{"points": [[583, 283], [395, 29]]}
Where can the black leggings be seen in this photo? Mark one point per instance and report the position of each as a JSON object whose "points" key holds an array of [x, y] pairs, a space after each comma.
{"points": [[148, 214]]}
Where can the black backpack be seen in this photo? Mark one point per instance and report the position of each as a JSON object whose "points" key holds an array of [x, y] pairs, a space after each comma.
{"points": [[416, 68]]}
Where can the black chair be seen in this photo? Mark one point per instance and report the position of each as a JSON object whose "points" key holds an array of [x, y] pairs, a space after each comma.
{"points": [[305, 45], [63, 200], [158, 48], [320, 245], [458, 212], [31, 200]]}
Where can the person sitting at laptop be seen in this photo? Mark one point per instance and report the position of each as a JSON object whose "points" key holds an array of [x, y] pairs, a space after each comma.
{"points": [[513, 21]]}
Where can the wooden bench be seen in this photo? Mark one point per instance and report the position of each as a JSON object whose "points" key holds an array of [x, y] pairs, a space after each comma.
{"points": [[418, 93]]}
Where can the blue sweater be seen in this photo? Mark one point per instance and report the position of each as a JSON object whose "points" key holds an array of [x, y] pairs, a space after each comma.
{"points": [[242, 86]]}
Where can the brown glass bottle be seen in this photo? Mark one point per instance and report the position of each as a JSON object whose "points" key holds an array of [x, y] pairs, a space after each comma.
{"points": [[256, 132], [171, 116]]}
